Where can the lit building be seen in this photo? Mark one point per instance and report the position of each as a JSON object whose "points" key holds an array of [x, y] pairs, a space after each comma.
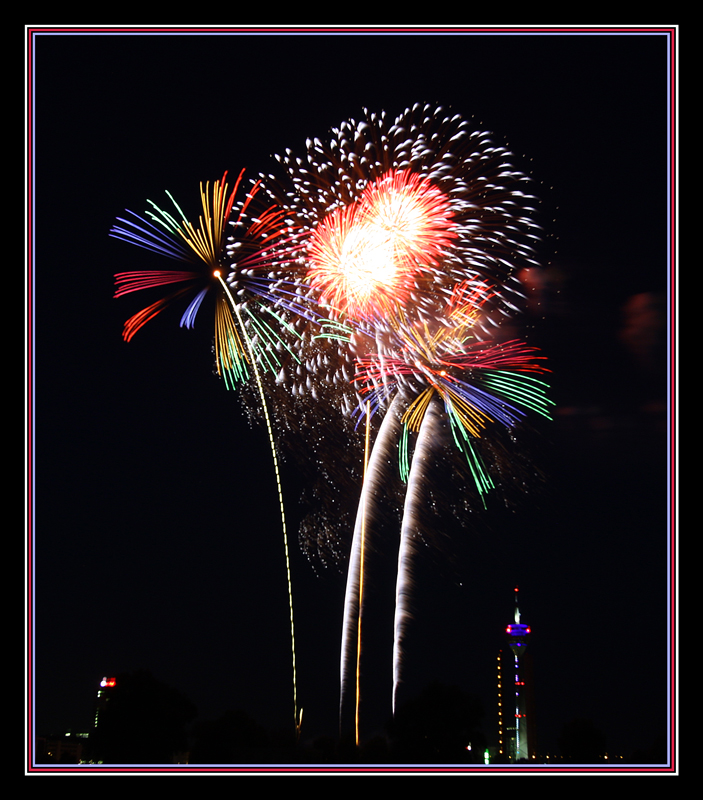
{"points": [[65, 749], [103, 695]]}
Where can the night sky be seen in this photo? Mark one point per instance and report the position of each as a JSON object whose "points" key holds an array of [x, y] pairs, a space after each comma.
{"points": [[157, 534]]}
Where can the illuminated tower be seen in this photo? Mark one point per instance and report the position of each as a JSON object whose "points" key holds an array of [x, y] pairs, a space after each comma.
{"points": [[103, 696], [516, 729]]}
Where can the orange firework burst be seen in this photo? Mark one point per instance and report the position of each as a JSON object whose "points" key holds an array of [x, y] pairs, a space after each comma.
{"points": [[366, 258]]}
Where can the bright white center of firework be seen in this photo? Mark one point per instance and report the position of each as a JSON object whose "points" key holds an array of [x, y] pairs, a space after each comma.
{"points": [[366, 261], [366, 257], [398, 217]]}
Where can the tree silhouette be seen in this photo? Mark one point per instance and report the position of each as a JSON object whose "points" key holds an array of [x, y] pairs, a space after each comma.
{"points": [[441, 725], [233, 738]]}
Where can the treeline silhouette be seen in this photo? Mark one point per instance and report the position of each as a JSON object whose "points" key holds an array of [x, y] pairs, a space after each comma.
{"points": [[143, 721]]}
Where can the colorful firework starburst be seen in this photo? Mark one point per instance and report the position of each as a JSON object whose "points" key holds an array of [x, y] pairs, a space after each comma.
{"points": [[479, 384], [173, 235], [366, 258]]}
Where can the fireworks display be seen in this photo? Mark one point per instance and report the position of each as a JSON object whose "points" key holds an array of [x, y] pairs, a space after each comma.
{"points": [[410, 234], [385, 219], [436, 201], [387, 260]]}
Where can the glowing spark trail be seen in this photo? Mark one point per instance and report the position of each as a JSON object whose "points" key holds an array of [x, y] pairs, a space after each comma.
{"points": [[422, 460], [297, 718], [361, 578], [372, 486]]}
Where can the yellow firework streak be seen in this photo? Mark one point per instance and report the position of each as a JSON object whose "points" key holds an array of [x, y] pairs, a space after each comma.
{"points": [[206, 241], [361, 577]]}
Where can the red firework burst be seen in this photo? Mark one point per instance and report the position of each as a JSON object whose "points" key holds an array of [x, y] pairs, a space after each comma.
{"points": [[367, 257]]}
